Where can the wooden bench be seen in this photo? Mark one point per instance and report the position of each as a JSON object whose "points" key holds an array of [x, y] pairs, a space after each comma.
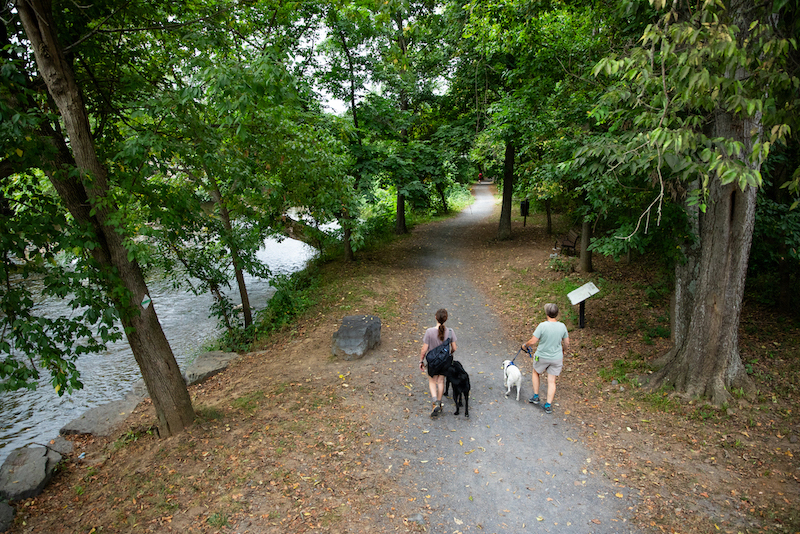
{"points": [[570, 241]]}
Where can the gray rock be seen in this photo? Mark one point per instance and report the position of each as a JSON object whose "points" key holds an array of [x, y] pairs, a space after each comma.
{"points": [[61, 445], [139, 390], [207, 365], [6, 516], [357, 335], [26, 472], [102, 420]]}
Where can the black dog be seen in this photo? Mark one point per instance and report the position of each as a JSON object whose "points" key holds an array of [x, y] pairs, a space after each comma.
{"points": [[458, 377]]}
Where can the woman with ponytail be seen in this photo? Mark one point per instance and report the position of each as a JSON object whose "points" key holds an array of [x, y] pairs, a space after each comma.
{"points": [[434, 337]]}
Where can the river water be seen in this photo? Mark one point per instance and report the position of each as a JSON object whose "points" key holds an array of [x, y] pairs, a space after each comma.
{"points": [[37, 416]]}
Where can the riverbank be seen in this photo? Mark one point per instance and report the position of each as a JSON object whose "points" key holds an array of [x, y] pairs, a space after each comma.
{"points": [[35, 416], [290, 440]]}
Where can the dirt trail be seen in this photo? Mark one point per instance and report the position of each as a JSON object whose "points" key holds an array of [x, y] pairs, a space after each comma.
{"points": [[510, 466]]}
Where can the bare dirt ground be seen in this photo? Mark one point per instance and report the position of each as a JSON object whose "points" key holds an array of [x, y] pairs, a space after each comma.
{"points": [[289, 439]]}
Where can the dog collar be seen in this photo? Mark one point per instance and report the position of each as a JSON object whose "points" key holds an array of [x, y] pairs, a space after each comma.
{"points": [[512, 363]]}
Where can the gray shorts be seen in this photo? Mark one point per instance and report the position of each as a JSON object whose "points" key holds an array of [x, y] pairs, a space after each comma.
{"points": [[553, 367]]}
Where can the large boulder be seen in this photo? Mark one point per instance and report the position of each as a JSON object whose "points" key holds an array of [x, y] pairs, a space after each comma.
{"points": [[207, 365], [26, 472], [103, 420], [357, 335]]}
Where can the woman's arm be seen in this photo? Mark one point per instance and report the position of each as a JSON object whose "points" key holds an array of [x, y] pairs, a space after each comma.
{"points": [[422, 354], [530, 343]]}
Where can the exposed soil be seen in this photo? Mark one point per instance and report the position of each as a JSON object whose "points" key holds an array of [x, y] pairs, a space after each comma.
{"points": [[282, 445]]}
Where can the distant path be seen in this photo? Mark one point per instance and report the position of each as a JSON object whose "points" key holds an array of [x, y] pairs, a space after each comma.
{"points": [[509, 467]]}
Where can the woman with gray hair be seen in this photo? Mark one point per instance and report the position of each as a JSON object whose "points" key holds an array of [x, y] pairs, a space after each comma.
{"points": [[551, 340]]}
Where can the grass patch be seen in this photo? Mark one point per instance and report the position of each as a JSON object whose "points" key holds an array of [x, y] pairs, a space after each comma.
{"points": [[662, 401], [248, 403], [218, 520], [208, 413], [131, 436], [710, 413], [621, 369]]}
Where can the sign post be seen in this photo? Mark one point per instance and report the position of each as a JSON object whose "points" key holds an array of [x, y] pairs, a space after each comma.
{"points": [[579, 296]]}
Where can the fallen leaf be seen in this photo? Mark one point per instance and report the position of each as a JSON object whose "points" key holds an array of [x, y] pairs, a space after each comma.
{"points": [[596, 521], [619, 495], [540, 518]]}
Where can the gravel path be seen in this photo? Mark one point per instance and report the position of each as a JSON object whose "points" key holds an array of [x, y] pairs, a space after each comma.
{"points": [[509, 467]]}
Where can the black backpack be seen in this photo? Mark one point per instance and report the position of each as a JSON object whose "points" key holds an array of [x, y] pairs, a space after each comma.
{"points": [[439, 358]]}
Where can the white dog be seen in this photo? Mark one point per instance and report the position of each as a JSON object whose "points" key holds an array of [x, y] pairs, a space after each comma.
{"points": [[513, 376]]}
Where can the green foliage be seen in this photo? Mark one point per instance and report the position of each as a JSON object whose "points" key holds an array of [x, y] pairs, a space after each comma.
{"points": [[43, 253], [774, 267], [294, 294]]}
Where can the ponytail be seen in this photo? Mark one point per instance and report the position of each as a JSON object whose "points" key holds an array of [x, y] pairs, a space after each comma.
{"points": [[441, 318]]}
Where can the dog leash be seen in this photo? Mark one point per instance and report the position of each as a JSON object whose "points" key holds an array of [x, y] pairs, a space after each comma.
{"points": [[520, 350]]}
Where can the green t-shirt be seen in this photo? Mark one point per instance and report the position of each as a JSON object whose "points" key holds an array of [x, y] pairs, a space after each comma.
{"points": [[550, 334]]}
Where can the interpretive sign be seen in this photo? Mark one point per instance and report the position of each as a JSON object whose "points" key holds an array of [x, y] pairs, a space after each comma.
{"points": [[579, 296]]}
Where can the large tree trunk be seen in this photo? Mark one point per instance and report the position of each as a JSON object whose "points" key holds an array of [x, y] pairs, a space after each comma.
{"points": [[709, 289], [148, 343], [504, 229]]}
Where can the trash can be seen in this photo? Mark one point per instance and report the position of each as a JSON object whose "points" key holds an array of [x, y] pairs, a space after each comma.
{"points": [[525, 207]]}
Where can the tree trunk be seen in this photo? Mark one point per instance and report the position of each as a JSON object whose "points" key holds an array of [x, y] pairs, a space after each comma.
{"points": [[347, 234], [549, 216], [709, 288], [441, 190], [400, 227], [216, 196], [148, 343], [504, 230], [586, 254]]}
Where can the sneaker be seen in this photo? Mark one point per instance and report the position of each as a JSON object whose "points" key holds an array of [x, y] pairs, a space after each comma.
{"points": [[437, 409], [548, 408], [534, 399]]}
